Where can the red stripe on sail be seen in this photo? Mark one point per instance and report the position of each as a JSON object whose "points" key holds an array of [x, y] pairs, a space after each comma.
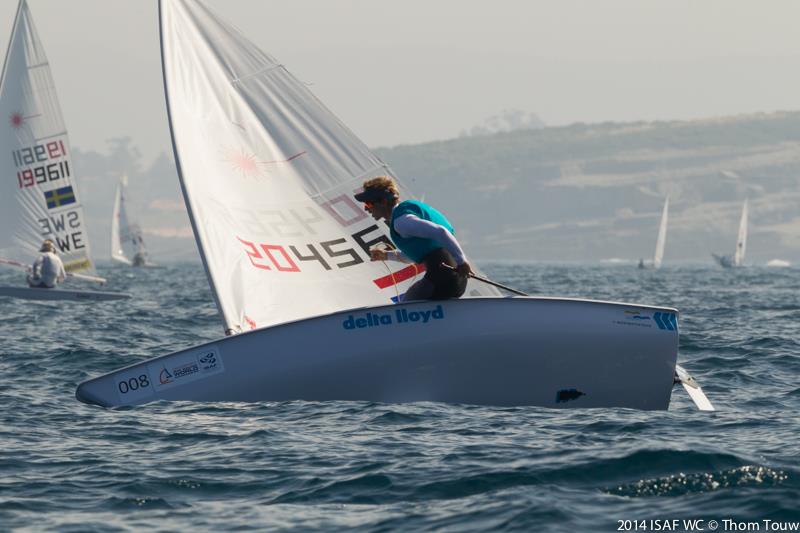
{"points": [[401, 275]]}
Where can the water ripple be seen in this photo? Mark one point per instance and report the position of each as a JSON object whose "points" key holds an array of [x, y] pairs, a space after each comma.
{"points": [[365, 466]]}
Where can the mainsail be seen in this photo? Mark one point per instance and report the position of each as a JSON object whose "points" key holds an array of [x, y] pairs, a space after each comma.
{"points": [[658, 256], [737, 258], [127, 242], [741, 241], [38, 196], [268, 174]]}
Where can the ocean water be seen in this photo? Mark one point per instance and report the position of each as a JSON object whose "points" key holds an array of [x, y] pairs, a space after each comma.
{"points": [[358, 466]]}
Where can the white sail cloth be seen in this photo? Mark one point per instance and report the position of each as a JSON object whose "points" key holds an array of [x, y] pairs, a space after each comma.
{"points": [[127, 242], [268, 175], [741, 240], [661, 243], [38, 196]]}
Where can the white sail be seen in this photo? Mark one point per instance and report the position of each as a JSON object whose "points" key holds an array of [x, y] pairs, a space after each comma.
{"points": [[658, 256], [38, 196], [117, 251], [127, 241], [268, 175], [741, 241]]}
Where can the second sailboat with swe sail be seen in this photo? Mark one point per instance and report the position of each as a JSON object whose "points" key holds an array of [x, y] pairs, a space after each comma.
{"points": [[268, 176], [39, 197]]}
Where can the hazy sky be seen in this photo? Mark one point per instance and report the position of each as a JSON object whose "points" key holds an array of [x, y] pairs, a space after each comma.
{"points": [[415, 70]]}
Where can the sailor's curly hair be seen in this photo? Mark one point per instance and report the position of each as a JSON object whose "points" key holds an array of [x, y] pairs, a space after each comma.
{"points": [[384, 184]]}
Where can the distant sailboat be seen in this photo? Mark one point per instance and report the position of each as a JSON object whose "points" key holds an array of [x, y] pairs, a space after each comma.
{"points": [[268, 175], [127, 242], [38, 197], [737, 258], [778, 263], [661, 242]]}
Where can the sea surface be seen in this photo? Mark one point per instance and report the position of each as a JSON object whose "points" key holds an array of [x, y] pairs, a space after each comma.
{"points": [[66, 466]]}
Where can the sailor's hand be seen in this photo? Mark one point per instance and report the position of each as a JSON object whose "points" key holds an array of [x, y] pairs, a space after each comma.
{"points": [[376, 254], [464, 269]]}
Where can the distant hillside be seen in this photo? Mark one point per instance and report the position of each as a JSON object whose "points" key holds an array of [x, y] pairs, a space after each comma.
{"points": [[594, 191], [584, 192], [154, 200]]}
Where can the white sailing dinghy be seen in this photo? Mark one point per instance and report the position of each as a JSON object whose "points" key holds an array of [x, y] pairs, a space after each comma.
{"points": [[268, 175], [36, 293], [737, 259], [661, 242], [127, 241], [38, 196]]}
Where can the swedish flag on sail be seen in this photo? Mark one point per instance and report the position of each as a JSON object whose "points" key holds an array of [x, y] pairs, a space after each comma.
{"points": [[59, 197]]}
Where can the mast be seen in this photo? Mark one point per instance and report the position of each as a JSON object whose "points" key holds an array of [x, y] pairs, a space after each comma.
{"points": [[229, 328]]}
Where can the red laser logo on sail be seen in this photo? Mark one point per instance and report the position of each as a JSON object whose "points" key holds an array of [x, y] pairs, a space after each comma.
{"points": [[16, 119], [249, 166]]}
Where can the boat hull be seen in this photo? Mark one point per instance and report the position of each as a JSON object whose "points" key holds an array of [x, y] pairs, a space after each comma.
{"points": [[36, 293], [725, 261], [488, 351]]}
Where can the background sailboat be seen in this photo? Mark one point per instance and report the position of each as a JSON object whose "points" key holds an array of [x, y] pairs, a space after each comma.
{"points": [[737, 258], [661, 241], [39, 198], [127, 241], [268, 174]]}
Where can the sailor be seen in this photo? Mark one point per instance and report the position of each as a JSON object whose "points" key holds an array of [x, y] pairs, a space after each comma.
{"points": [[422, 235], [139, 259], [47, 270]]}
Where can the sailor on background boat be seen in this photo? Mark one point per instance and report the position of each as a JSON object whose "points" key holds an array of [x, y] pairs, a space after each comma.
{"points": [[422, 235], [47, 270], [139, 258]]}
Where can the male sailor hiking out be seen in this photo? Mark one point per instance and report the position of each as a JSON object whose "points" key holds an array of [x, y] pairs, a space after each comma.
{"points": [[422, 235], [47, 270]]}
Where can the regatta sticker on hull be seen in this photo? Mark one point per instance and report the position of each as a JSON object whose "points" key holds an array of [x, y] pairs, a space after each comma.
{"points": [[666, 321], [634, 318], [660, 319], [185, 367]]}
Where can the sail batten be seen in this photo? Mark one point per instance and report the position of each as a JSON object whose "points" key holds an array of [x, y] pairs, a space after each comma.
{"points": [[267, 70], [268, 174]]}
